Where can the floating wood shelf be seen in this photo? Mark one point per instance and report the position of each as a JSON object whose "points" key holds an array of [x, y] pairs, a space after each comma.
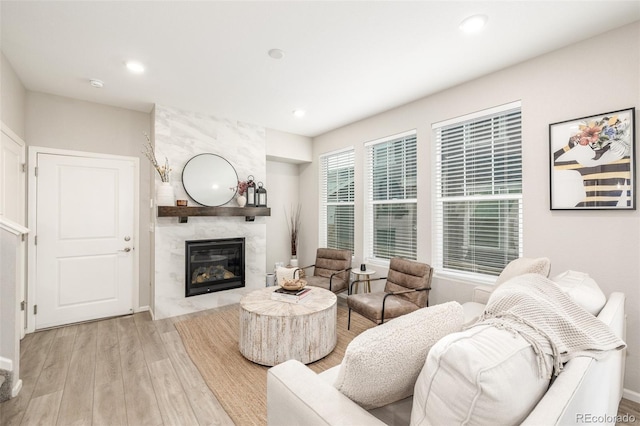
{"points": [[184, 212]]}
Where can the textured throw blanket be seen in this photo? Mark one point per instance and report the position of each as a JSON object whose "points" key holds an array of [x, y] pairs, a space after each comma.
{"points": [[537, 309]]}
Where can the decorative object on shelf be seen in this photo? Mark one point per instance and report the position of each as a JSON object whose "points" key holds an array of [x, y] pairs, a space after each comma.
{"points": [[293, 223], [241, 199], [251, 191], [210, 180], [181, 203], [593, 162], [164, 171], [261, 195], [165, 195]]}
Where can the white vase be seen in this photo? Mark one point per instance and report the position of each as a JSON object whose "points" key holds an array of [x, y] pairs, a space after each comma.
{"points": [[165, 195], [241, 200], [293, 262]]}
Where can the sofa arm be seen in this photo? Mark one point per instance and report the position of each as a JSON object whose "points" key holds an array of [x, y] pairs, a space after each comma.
{"points": [[296, 395], [481, 293]]}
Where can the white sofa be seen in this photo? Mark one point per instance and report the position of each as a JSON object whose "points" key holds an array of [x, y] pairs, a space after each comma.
{"points": [[587, 391]]}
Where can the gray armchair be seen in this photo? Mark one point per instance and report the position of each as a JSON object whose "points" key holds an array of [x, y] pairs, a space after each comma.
{"points": [[331, 270], [406, 290]]}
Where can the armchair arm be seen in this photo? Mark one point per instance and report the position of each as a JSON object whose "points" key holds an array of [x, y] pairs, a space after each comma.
{"points": [[336, 273], [296, 395], [395, 293], [481, 293], [307, 267], [362, 281]]}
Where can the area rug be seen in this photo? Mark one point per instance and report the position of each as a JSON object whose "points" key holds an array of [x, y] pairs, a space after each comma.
{"points": [[240, 385]]}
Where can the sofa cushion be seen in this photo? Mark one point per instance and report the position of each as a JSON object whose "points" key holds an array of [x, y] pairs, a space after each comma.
{"points": [[483, 375], [582, 289], [524, 265], [380, 366]]}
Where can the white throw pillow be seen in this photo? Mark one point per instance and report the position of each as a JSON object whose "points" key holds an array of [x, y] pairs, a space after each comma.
{"points": [[524, 265], [582, 289], [283, 273], [481, 376], [381, 365]]}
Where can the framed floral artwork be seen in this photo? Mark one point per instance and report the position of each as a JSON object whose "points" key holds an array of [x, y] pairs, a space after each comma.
{"points": [[593, 162]]}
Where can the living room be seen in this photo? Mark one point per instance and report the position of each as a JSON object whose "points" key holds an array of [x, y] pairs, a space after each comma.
{"points": [[591, 76]]}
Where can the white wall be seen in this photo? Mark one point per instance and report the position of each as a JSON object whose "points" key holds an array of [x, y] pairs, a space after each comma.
{"points": [[13, 96], [562, 85], [282, 193], [64, 123], [288, 148], [286, 153]]}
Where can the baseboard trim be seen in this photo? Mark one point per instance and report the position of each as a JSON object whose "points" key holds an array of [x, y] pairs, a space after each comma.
{"points": [[6, 364], [141, 309], [16, 389], [631, 395]]}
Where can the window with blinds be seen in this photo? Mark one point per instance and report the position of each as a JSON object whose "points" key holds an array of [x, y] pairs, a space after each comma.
{"points": [[391, 203], [336, 200], [478, 197]]}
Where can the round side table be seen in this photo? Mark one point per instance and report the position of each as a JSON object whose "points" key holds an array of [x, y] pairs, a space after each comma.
{"points": [[273, 331], [364, 276]]}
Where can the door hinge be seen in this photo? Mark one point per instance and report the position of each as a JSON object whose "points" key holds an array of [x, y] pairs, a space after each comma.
{"points": [[35, 309], [23, 237], [24, 167], [36, 171], [35, 240], [23, 305]]}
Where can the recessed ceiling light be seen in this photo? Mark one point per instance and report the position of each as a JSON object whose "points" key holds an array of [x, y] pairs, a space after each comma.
{"points": [[135, 67], [299, 112], [473, 23], [276, 53], [98, 84]]}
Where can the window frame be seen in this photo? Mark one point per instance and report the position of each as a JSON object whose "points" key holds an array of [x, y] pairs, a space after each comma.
{"points": [[439, 201], [370, 203], [325, 203]]}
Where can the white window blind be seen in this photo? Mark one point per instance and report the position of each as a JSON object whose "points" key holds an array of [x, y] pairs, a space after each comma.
{"points": [[336, 200], [391, 203], [478, 202]]}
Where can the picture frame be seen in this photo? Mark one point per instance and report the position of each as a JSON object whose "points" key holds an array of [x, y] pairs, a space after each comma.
{"points": [[592, 162]]}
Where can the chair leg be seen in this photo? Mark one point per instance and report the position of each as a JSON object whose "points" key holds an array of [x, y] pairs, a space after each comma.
{"points": [[349, 320]]}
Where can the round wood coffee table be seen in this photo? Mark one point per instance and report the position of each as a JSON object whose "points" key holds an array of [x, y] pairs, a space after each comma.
{"points": [[272, 331]]}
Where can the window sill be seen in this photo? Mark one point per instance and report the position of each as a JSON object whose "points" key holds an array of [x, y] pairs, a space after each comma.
{"points": [[470, 279]]}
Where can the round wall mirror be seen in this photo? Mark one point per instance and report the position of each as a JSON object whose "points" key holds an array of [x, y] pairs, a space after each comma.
{"points": [[210, 180]]}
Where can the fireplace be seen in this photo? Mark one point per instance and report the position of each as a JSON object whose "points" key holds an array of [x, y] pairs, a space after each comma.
{"points": [[213, 265]]}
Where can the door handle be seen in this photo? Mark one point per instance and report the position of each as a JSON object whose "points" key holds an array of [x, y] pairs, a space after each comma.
{"points": [[126, 250]]}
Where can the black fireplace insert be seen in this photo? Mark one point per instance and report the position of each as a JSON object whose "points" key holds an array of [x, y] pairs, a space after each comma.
{"points": [[214, 265]]}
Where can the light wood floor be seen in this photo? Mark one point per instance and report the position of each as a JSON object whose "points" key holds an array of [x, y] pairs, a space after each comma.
{"points": [[121, 371]]}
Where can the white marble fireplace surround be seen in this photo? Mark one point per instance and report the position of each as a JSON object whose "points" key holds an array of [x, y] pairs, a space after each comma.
{"points": [[180, 135]]}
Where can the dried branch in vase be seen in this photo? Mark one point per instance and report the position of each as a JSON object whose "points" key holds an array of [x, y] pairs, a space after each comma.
{"points": [[293, 223], [164, 171]]}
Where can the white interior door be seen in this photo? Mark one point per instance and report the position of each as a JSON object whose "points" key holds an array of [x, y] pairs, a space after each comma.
{"points": [[85, 235]]}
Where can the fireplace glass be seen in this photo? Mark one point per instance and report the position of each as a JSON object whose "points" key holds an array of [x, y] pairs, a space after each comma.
{"points": [[214, 265]]}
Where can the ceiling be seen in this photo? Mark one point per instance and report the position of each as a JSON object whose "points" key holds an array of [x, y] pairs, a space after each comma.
{"points": [[344, 60]]}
